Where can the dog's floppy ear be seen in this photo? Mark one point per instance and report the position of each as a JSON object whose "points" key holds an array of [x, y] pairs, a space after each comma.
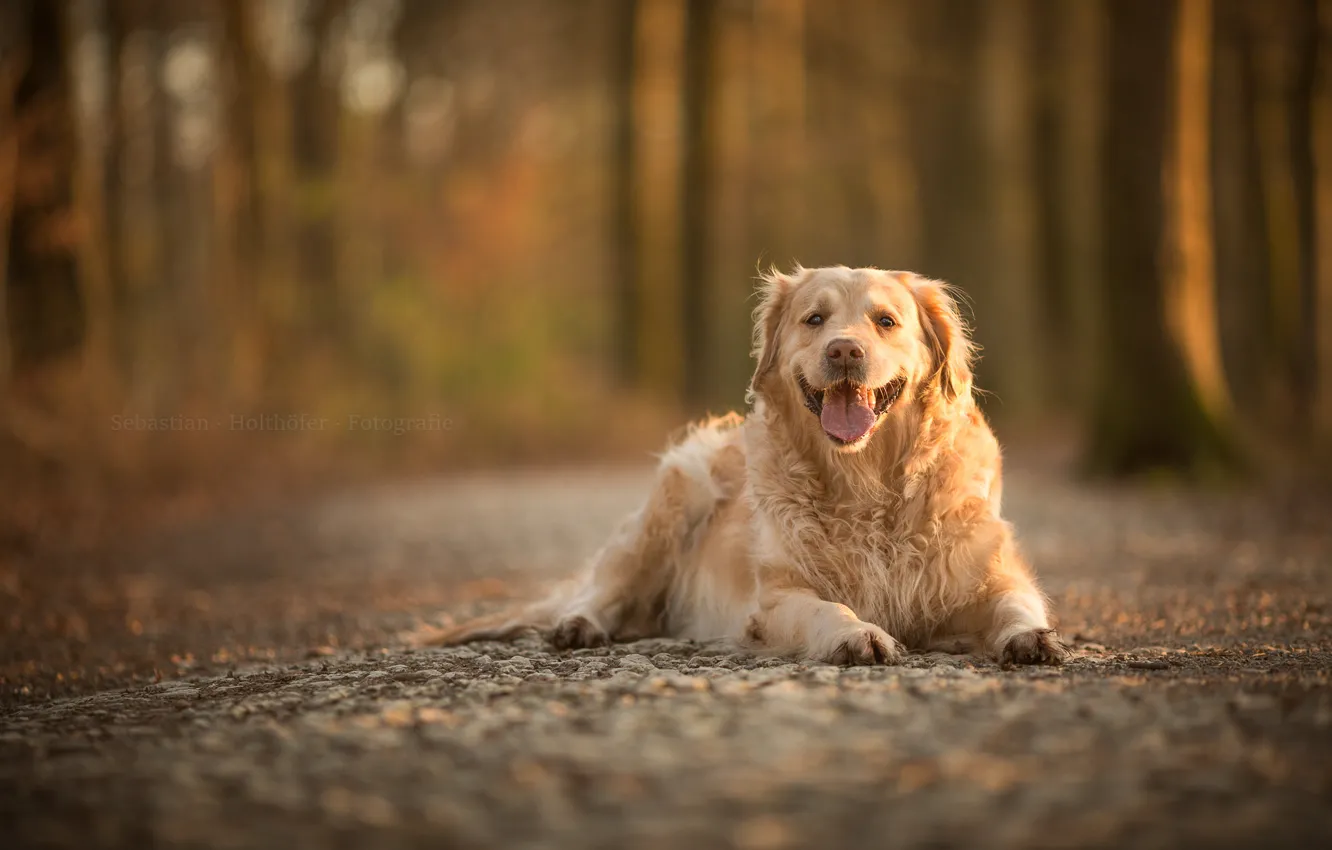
{"points": [[774, 297], [947, 334]]}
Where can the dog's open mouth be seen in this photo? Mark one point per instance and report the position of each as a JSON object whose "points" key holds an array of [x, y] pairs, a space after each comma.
{"points": [[848, 410]]}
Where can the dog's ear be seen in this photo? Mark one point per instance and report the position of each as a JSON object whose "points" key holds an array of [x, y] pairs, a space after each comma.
{"points": [[774, 297], [947, 335]]}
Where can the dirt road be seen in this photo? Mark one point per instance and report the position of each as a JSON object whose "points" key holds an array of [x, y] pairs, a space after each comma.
{"points": [[247, 683]]}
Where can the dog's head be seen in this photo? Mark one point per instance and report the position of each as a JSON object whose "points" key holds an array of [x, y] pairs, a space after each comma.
{"points": [[857, 347]]}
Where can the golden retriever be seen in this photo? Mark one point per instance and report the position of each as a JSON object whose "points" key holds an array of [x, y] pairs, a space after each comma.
{"points": [[853, 514]]}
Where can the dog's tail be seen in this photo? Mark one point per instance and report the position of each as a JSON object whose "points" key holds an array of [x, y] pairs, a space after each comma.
{"points": [[500, 625]]}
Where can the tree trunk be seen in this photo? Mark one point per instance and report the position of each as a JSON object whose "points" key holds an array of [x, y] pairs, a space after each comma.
{"points": [[948, 135], [1081, 187], [1070, 193], [44, 305], [113, 186], [1271, 27], [1322, 148], [659, 45], [238, 215], [1191, 278], [1153, 411], [1303, 87], [1241, 253], [624, 234], [13, 65], [315, 136], [892, 181], [1008, 300], [90, 202], [696, 182], [264, 113], [732, 266], [780, 117], [837, 75]]}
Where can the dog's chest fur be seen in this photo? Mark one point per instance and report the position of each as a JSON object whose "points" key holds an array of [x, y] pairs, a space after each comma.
{"points": [[882, 559], [905, 556]]}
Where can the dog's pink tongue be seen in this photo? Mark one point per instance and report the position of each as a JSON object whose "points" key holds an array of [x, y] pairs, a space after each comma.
{"points": [[847, 414]]}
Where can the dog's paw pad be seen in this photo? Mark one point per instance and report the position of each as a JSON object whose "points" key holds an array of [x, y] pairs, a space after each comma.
{"points": [[865, 645], [1038, 646], [578, 632]]}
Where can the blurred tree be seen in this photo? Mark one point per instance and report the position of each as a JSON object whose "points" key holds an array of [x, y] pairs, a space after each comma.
{"points": [[1304, 87], [113, 229], [888, 43], [188, 292], [624, 232], [699, 155], [1163, 403], [780, 114], [271, 45], [1190, 305], [947, 137], [1322, 150], [660, 48], [239, 214], [87, 46], [13, 65], [315, 135], [731, 266], [1283, 37], [1241, 255], [858, 58], [44, 305], [1008, 296], [1069, 47]]}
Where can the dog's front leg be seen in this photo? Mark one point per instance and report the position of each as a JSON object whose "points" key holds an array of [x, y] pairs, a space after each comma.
{"points": [[1012, 618], [794, 620], [1008, 614], [1019, 630]]}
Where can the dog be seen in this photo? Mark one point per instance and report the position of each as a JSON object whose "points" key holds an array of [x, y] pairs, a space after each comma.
{"points": [[853, 515]]}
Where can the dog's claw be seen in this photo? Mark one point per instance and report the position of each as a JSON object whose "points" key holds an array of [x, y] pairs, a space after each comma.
{"points": [[1038, 646], [578, 632], [866, 645]]}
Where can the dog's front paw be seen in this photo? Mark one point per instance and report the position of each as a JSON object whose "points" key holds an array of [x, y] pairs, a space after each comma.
{"points": [[578, 632], [864, 644], [1038, 646]]}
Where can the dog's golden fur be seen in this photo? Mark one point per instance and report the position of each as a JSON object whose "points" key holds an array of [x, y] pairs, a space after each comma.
{"points": [[793, 532]]}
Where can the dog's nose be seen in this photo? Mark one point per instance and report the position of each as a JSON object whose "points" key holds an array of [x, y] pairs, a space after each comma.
{"points": [[844, 350]]}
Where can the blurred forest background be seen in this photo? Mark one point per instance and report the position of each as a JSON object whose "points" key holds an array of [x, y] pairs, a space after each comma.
{"points": [[536, 225]]}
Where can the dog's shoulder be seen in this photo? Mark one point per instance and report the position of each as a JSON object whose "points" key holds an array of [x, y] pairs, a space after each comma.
{"points": [[710, 450], [969, 470]]}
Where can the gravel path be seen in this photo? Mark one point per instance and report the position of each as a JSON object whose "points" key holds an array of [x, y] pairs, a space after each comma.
{"points": [[249, 683]]}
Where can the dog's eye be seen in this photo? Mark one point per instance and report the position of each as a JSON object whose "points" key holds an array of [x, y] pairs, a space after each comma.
{"points": [[887, 322], [814, 321]]}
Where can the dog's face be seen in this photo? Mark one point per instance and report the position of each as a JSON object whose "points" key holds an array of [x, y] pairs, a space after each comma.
{"points": [[856, 346]]}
